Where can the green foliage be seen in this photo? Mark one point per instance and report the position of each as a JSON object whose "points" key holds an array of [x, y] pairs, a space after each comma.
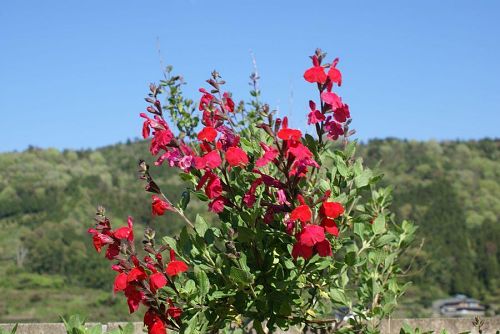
{"points": [[76, 325], [57, 190], [12, 331]]}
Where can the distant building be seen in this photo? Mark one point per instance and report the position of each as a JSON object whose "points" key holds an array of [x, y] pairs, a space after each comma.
{"points": [[459, 306]]}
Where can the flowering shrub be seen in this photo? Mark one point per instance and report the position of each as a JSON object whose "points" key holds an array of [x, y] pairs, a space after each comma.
{"points": [[303, 237]]}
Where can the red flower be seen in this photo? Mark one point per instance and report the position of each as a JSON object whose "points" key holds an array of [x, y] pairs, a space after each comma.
{"points": [[217, 205], [125, 232], [315, 73], [175, 267], [300, 151], [157, 281], [334, 74], [330, 226], [213, 188], [228, 102], [154, 323], [206, 98], [136, 274], [158, 206], [210, 160], [331, 209], [120, 282], [173, 310], [311, 235], [208, 133], [289, 134], [235, 156], [324, 248], [302, 213], [134, 298]]}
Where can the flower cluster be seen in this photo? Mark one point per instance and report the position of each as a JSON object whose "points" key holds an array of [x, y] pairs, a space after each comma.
{"points": [[139, 279]]}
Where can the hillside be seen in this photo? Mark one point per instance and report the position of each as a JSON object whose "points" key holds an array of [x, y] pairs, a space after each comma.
{"points": [[47, 200]]}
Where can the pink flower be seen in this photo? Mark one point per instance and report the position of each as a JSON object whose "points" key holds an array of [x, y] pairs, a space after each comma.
{"points": [[315, 116], [210, 160], [270, 153], [311, 235], [331, 99]]}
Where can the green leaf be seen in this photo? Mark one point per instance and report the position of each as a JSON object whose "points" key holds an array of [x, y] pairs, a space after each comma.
{"points": [[378, 225], [338, 296], [171, 242], [363, 179], [201, 195], [201, 226], [203, 282], [240, 277]]}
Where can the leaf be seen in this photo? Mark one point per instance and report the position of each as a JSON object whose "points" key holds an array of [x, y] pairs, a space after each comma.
{"points": [[201, 195], [378, 225], [240, 277], [338, 296], [171, 242], [203, 282], [201, 226], [363, 179]]}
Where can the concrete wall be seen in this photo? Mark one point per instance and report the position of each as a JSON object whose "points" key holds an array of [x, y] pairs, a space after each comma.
{"points": [[389, 326]]}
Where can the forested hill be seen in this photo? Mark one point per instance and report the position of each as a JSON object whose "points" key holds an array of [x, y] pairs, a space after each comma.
{"points": [[47, 200]]}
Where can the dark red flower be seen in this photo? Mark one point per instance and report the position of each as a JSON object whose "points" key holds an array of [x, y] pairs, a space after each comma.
{"points": [[324, 248], [213, 188], [134, 298], [205, 99], [217, 205], [301, 250], [159, 206], [302, 213], [208, 133], [342, 114], [235, 156]]}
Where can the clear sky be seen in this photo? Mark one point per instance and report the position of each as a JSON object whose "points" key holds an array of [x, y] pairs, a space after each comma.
{"points": [[73, 74]]}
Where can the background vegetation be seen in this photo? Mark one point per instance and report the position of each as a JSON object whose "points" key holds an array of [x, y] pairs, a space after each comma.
{"points": [[451, 190]]}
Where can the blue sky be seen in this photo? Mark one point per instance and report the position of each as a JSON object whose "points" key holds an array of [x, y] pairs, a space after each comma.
{"points": [[73, 74]]}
